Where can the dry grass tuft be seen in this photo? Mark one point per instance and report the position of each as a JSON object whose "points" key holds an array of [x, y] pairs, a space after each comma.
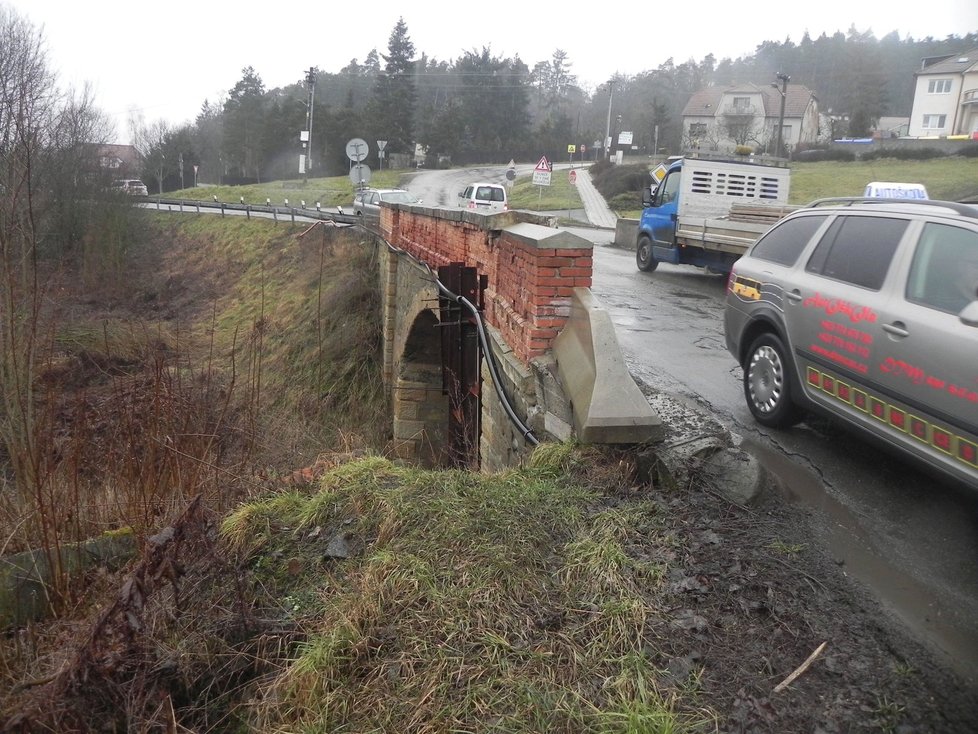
{"points": [[463, 603]]}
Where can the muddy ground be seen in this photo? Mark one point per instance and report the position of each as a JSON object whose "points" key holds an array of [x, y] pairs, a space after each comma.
{"points": [[755, 595]]}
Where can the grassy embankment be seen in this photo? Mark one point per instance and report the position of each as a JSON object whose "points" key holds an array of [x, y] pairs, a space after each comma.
{"points": [[230, 348]]}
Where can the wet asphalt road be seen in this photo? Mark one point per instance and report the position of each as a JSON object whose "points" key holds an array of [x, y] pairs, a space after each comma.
{"points": [[910, 538]]}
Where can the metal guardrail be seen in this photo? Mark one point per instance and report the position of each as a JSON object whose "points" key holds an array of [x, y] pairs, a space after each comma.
{"points": [[288, 212]]}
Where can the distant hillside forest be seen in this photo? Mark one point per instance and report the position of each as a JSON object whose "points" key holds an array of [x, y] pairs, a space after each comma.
{"points": [[481, 108]]}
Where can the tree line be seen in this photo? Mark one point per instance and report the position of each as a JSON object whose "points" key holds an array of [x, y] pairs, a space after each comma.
{"points": [[481, 107]]}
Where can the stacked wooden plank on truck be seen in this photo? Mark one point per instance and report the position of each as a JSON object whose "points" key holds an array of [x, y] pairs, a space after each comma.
{"points": [[767, 214]]}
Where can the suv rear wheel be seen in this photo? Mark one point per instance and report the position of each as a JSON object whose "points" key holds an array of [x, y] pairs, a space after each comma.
{"points": [[767, 383]]}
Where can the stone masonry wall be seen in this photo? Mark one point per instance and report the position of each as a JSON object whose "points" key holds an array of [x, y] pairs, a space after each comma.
{"points": [[532, 269]]}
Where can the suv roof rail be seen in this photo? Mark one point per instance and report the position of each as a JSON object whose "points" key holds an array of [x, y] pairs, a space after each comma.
{"points": [[965, 210]]}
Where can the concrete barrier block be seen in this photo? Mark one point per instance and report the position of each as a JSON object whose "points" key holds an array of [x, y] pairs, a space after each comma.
{"points": [[607, 405], [626, 233]]}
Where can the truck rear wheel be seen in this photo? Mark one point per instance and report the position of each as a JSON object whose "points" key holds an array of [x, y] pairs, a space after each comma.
{"points": [[643, 255]]}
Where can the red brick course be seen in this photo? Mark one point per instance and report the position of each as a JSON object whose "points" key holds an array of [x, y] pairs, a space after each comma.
{"points": [[528, 297]]}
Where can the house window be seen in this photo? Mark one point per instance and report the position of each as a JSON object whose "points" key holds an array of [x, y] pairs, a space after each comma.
{"points": [[939, 86], [741, 104], [934, 122], [697, 130]]}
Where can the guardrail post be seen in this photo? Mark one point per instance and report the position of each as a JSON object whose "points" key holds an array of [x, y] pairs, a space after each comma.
{"points": [[248, 211], [222, 208], [275, 213], [198, 207], [293, 215]]}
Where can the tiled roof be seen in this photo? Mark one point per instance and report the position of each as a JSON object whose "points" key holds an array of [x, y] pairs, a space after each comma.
{"points": [[705, 101], [955, 64]]}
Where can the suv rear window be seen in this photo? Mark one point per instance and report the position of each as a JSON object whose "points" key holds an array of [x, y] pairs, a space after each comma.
{"points": [[784, 243], [858, 250]]}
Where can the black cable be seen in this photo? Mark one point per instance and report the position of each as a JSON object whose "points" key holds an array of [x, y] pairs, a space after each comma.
{"points": [[526, 432]]}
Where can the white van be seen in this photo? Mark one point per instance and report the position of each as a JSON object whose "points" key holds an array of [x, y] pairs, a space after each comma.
{"points": [[486, 197], [895, 190]]}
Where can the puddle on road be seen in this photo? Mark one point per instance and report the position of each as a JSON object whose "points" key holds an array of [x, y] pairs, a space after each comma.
{"points": [[691, 294], [851, 546]]}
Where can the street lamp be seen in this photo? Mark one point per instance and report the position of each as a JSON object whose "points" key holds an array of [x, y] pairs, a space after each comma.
{"points": [[783, 91]]}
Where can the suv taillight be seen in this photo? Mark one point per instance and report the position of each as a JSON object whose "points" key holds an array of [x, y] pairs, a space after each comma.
{"points": [[731, 278]]}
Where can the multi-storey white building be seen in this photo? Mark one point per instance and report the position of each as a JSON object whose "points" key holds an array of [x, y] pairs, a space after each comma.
{"points": [[945, 100]]}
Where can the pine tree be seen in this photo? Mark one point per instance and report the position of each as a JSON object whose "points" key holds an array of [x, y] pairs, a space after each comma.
{"points": [[391, 109]]}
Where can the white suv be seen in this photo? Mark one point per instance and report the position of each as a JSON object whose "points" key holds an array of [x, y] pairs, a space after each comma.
{"points": [[488, 197], [866, 310]]}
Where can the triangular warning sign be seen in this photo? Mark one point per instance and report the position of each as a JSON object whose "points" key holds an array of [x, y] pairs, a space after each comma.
{"points": [[544, 165]]}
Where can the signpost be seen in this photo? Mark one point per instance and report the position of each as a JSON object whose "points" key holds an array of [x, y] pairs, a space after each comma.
{"points": [[542, 171], [359, 175], [541, 174], [356, 151], [381, 144]]}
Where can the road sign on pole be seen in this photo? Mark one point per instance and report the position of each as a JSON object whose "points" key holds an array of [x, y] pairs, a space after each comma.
{"points": [[357, 149], [542, 171], [360, 175]]}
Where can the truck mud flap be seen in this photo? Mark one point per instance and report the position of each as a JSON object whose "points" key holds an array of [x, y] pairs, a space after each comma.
{"points": [[666, 254]]}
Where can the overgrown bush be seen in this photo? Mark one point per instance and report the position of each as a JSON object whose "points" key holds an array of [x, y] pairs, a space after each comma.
{"points": [[611, 180], [970, 151], [813, 155], [904, 154]]}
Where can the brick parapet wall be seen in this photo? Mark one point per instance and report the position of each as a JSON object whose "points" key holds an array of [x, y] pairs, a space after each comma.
{"points": [[532, 268]]}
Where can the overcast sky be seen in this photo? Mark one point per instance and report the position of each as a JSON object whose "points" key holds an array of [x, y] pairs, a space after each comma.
{"points": [[163, 59]]}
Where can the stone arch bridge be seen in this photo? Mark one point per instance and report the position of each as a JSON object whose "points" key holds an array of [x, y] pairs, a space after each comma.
{"points": [[493, 342]]}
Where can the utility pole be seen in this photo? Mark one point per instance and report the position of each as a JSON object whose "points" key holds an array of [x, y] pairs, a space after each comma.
{"points": [[607, 130], [617, 147], [311, 81], [783, 78]]}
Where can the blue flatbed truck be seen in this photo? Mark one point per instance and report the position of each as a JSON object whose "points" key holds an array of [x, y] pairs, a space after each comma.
{"points": [[707, 211]]}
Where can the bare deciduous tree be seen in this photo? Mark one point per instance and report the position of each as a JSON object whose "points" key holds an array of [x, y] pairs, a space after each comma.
{"points": [[27, 99], [150, 140], [51, 203]]}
